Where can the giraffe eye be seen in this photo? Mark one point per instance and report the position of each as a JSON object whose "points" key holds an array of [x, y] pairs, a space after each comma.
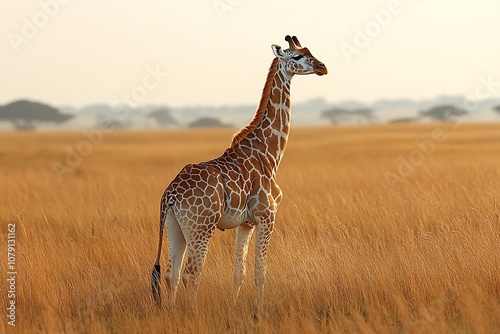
{"points": [[297, 57]]}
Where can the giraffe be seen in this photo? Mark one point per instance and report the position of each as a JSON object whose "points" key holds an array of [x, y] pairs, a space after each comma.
{"points": [[236, 190]]}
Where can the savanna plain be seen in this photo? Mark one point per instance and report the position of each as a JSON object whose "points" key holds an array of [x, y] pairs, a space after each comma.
{"points": [[383, 229]]}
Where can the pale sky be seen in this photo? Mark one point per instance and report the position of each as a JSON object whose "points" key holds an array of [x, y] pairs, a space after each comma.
{"points": [[217, 52]]}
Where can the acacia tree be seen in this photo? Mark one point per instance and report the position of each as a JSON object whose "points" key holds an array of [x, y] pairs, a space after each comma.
{"points": [[497, 109], [163, 116], [208, 122], [27, 115], [446, 112], [340, 115]]}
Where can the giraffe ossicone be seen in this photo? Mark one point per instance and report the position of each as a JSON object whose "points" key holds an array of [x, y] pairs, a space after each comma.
{"points": [[236, 190]]}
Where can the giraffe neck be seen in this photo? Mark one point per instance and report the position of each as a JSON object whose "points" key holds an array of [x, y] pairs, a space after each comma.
{"points": [[267, 139]]}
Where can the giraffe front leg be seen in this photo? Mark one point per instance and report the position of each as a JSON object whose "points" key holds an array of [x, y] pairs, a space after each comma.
{"points": [[262, 239], [243, 235]]}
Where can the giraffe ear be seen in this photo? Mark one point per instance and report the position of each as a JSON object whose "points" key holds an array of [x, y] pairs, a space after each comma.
{"points": [[278, 52]]}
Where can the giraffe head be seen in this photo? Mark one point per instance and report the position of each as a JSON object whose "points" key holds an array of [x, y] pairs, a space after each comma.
{"points": [[298, 60]]}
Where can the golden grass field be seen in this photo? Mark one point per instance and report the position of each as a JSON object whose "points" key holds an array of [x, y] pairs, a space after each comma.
{"points": [[355, 248]]}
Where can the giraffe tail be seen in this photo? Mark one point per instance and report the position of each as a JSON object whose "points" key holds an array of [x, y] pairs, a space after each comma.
{"points": [[155, 274], [155, 284]]}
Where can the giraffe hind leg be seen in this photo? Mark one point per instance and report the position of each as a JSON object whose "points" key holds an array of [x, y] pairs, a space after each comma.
{"points": [[198, 215], [198, 239], [177, 249]]}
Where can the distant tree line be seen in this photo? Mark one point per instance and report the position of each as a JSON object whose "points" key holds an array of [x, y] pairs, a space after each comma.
{"points": [[443, 113], [28, 115]]}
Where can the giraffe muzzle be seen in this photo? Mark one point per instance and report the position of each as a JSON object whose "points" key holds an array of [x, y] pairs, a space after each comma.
{"points": [[320, 69]]}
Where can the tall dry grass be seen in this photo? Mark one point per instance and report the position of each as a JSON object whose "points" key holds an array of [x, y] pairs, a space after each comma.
{"points": [[354, 250]]}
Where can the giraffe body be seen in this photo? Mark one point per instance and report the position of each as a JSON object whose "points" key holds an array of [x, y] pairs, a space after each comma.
{"points": [[236, 190]]}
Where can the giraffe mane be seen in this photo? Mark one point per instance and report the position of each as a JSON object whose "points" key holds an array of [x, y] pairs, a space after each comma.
{"points": [[259, 114]]}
